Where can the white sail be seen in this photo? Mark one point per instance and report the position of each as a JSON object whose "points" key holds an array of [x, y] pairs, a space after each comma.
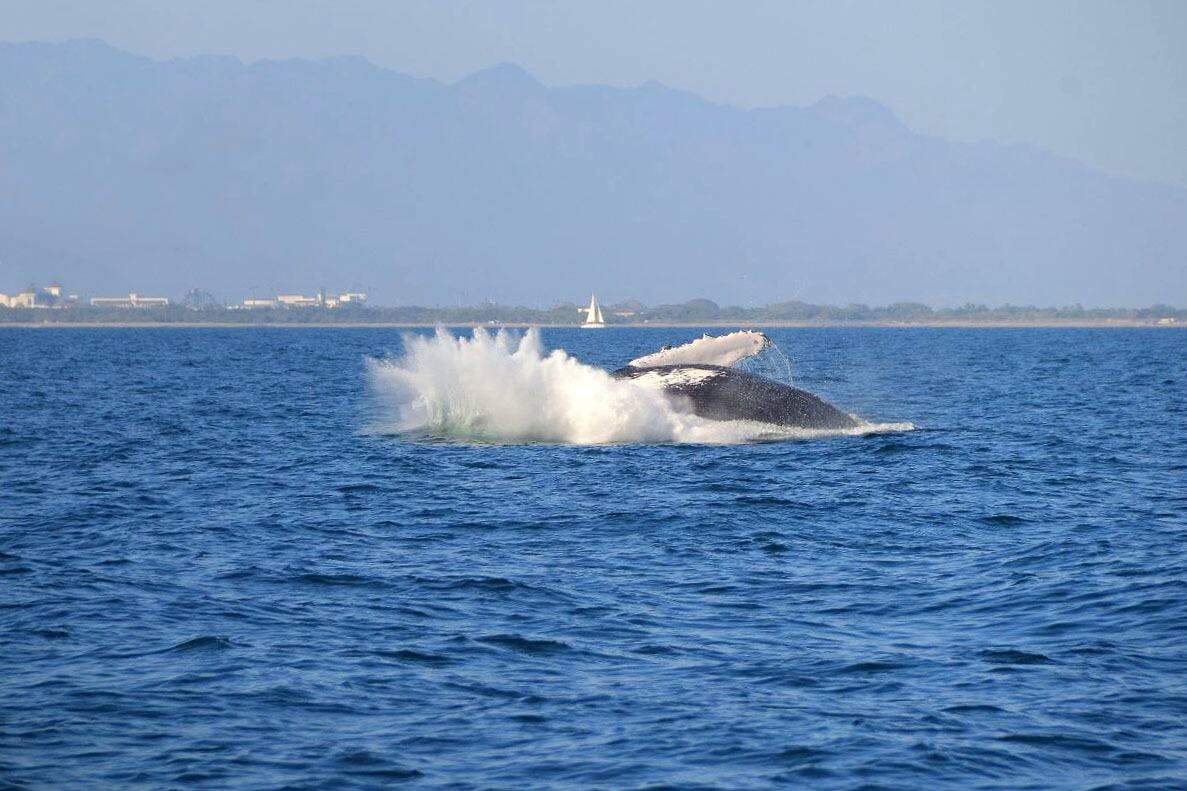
{"points": [[593, 314]]}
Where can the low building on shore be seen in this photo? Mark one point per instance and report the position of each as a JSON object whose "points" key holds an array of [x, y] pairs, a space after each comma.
{"points": [[299, 301], [349, 298], [25, 299], [321, 300], [133, 300], [37, 297]]}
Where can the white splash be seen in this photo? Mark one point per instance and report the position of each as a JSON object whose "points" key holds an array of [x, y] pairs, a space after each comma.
{"points": [[503, 388]]}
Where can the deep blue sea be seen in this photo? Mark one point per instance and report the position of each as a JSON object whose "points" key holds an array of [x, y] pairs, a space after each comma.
{"points": [[226, 562]]}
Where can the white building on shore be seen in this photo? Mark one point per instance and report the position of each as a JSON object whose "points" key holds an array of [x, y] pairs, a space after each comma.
{"points": [[298, 301], [133, 300], [35, 297], [320, 300], [25, 299], [349, 298]]}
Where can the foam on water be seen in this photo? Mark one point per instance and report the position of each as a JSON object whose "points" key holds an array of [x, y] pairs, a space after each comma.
{"points": [[502, 387]]}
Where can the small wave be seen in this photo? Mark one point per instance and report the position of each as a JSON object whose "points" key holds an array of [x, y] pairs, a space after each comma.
{"points": [[525, 645], [349, 580], [488, 585], [802, 753], [203, 643], [872, 666], [367, 764], [1003, 519], [415, 657], [1059, 741], [1012, 656], [359, 488], [974, 708], [502, 388], [893, 447]]}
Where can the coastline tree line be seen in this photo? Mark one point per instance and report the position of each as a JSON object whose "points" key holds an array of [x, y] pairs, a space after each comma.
{"points": [[696, 311]]}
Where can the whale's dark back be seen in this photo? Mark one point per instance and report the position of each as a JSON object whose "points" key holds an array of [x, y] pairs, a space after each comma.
{"points": [[731, 394]]}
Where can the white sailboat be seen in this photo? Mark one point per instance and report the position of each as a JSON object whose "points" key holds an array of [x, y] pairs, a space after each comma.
{"points": [[593, 315]]}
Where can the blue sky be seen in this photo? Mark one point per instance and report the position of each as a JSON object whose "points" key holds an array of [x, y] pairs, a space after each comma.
{"points": [[1102, 82]]}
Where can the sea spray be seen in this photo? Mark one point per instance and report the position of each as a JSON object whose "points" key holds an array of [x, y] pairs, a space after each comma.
{"points": [[772, 362], [502, 387]]}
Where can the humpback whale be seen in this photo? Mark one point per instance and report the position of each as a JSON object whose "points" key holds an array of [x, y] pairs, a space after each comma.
{"points": [[701, 373]]}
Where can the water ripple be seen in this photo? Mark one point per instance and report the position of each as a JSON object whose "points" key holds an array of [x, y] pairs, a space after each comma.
{"points": [[213, 573]]}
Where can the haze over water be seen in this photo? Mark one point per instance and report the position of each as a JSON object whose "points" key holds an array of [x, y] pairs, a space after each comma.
{"points": [[220, 566]]}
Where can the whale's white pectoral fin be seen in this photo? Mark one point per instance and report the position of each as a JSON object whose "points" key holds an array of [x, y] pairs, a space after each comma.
{"points": [[725, 350]]}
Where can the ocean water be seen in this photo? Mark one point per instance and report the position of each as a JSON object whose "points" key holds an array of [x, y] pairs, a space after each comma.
{"points": [[334, 558]]}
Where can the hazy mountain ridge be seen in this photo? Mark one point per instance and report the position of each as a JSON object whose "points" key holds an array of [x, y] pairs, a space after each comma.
{"points": [[126, 173]]}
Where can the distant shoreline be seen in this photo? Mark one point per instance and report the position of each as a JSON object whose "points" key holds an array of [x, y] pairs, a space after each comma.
{"points": [[940, 324]]}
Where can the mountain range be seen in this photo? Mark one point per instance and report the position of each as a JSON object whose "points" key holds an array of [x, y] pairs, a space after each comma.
{"points": [[121, 173]]}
